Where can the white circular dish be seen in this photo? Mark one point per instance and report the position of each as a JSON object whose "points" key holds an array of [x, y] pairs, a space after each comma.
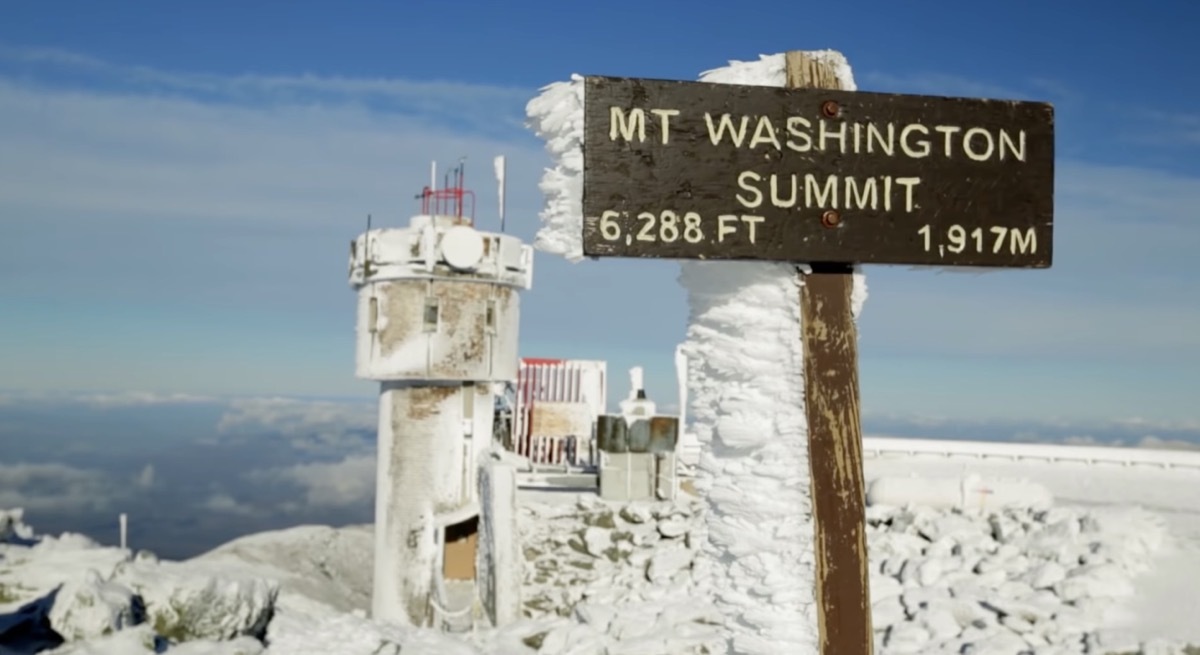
{"points": [[462, 247]]}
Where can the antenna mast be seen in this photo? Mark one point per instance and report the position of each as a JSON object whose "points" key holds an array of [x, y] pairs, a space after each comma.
{"points": [[462, 174], [500, 181]]}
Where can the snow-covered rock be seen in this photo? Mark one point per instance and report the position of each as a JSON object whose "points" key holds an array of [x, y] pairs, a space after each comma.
{"points": [[188, 600], [907, 638], [332, 567], [37, 566], [997, 582], [93, 606], [601, 579], [597, 540], [672, 527], [666, 562], [69, 588], [143, 640], [636, 513], [627, 576], [13, 528], [1045, 575]]}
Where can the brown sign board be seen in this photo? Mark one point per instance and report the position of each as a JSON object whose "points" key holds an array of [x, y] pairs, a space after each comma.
{"points": [[694, 170]]}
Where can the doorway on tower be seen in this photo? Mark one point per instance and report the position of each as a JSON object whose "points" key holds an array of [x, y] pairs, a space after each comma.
{"points": [[460, 542]]}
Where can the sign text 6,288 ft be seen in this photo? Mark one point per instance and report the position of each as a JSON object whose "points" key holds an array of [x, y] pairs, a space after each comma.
{"points": [[671, 227]]}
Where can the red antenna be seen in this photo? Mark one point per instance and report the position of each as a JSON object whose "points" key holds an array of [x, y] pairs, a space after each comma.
{"points": [[451, 199]]}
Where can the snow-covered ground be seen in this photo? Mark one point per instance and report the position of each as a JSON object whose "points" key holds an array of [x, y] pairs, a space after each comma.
{"points": [[1110, 567], [1163, 602]]}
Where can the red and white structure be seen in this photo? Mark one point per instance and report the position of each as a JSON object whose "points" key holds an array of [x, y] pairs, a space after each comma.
{"points": [[557, 402]]}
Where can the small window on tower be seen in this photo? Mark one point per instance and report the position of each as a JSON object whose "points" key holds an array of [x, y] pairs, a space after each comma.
{"points": [[431, 314], [373, 315], [491, 315]]}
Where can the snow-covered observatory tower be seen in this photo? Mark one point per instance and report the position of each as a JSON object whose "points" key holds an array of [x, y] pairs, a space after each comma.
{"points": [[438, 311]]}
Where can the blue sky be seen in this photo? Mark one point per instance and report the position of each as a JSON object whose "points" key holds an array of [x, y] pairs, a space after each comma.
{"points": [[178, 184]]}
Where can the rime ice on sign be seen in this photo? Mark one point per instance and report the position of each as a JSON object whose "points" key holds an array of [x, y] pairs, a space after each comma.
{"points": [[438, 311], [556, 116]]}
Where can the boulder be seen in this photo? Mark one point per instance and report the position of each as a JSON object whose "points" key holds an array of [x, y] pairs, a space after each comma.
{"points": [[187, 601], [666, 562], [93, 607]]}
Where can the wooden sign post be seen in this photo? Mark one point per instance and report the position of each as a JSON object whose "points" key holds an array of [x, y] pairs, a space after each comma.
{"points": [[831, 406], [812, 173]]}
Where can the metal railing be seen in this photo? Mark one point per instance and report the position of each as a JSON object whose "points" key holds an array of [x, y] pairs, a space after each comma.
{"points": [[878, 446], [443, 618]]}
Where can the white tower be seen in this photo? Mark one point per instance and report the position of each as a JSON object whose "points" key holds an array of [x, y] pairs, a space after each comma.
{"points": [[438, 311]]}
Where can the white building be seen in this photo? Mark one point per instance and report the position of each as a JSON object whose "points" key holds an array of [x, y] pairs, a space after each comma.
{"points": [[437, 326]]}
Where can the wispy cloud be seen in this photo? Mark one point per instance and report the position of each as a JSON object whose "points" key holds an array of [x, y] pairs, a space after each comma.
{"points": [[141, 398], [1149, 442], [223, 503], [1168, 129], [473, 106], [1149, 426], [105, 400], [350, 481], [1158, 443], [226, 193], [1129, 433], [231, 193], [1130, 195], [1055, 90], [940, 84], [145, 478], [1001, 320], [313, 426], [1125, 239], [180, 157], [54, 487]]}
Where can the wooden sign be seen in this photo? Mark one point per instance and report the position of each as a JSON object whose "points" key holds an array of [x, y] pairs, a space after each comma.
{"points": [[693, 170], [816, 174]]}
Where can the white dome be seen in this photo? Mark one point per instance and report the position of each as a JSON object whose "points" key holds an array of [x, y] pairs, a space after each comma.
{"points": [[462, 247]]}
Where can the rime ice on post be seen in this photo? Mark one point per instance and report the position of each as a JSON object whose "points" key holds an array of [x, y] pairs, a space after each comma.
{"points": [[742, 361], [438, 311], [745, 374]]}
